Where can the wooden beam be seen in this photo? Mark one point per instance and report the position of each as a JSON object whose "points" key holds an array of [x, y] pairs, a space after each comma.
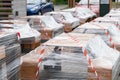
{"points": [[88, 3]]}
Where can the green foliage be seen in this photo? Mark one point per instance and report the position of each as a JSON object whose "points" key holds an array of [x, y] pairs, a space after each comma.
{"points": [[61, 1], [77, 0]]}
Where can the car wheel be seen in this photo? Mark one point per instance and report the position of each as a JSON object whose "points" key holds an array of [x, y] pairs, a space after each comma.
{"points": [[53, 9], [40, 13]]}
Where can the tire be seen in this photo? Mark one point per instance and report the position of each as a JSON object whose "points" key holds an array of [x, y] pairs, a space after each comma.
{"points": [[40, 13]]}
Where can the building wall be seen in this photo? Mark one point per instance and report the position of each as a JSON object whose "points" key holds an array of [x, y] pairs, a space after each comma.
{"points": [[19, 8]]}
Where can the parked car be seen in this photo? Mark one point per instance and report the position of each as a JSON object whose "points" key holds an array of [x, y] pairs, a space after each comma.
{"points": [[35, 7]]}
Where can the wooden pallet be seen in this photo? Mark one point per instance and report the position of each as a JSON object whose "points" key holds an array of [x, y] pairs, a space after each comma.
{"points": [[30, 46], [5, 9]]}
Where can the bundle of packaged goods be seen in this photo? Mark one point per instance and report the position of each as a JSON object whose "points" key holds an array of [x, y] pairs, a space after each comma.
{"points": [[115, 10], [113, 20], [107, 66], [65, 18], [46, 25], [113, 31], [64, 57], [102, 29], [113, 14], [84, 14], [11, 56], [93, 5], [29, 38], [3, 74]]}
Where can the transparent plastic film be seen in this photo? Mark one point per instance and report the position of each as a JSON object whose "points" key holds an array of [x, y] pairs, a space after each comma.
{"points": [[113, 20], [23, 28], [66, 18], [10, 53], [49, 22], [60, 63], [105, 61]]}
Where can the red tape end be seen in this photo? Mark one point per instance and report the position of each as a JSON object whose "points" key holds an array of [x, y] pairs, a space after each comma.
{"points": [[18, 34], [42, 51], [85, 52]]}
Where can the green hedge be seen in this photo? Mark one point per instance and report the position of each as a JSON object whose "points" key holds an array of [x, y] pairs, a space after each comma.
{"points": [[63, 1]]}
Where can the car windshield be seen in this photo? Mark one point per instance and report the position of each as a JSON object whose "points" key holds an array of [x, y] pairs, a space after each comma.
{"points": [[33, 1]]}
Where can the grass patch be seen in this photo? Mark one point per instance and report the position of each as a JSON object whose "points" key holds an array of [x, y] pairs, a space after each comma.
{"points": [[114, 5]]}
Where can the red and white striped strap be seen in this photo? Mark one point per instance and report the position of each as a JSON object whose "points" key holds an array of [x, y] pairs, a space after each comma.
{"points": [[90, 63], [87, 56], [18, 34], [110, 39], [39, 61]]}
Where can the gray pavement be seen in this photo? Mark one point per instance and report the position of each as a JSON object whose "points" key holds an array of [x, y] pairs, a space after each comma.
{"points": [[60, 7]]}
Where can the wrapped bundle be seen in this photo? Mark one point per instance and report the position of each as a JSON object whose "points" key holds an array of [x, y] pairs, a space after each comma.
{"points": [[29, 65], [95, 28], [7, 38], [46, 25], [29, 38], [3, 73], [101, 29], [84, 14], [64, 58], [113, 20], [106, 65], [113, 14], [93, 5], [66, 18], [12, 55]]}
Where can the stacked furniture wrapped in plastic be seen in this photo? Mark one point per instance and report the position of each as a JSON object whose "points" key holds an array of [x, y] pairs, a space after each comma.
{"points": [[29, 38], [67, 19], [93, 5], [63, 57], [46, 25], [10, 56]]}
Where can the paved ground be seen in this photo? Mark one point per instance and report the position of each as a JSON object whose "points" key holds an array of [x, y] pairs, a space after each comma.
{"points": [[60, 7]]}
